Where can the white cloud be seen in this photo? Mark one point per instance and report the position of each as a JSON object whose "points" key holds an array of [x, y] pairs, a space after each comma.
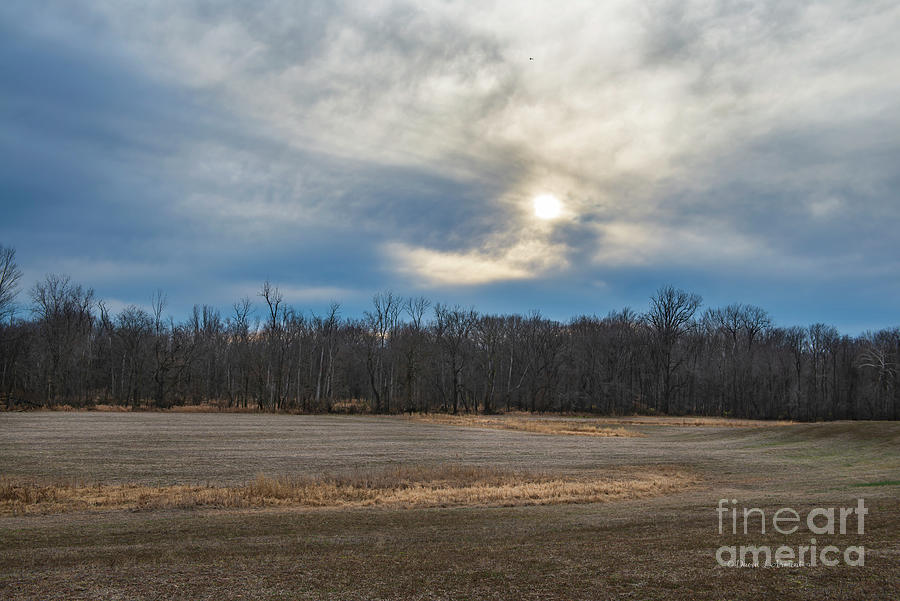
{"points": [[523, 261]]}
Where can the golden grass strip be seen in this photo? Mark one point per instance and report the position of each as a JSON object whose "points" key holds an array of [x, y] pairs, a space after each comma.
{"points": [[452, 486], [709, 422], [526, 424], [586, 426]]}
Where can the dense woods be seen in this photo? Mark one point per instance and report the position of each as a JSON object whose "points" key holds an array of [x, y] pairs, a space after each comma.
{"points": [[406, 354]]}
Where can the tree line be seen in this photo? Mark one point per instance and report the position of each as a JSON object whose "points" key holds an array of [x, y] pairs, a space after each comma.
{"points": [[64, 346]]}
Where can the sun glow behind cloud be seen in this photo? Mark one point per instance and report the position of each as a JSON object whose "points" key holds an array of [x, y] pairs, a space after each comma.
{"points": [[547, 206]]}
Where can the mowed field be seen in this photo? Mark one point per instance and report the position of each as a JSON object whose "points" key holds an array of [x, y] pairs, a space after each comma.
{"points": [[415, 511]]}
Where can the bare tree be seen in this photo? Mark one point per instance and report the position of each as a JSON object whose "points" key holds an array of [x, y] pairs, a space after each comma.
{"points": [[381, 325], [876, 359], [415, 308], [327, 327], [273, 297], [10, 274], [453, 328], [64, 312], [671, 313], [238, 363], [133, 326], [488, 337], [274, 378]]}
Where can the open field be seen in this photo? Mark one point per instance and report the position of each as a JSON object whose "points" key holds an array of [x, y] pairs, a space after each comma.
{"points": [[622, 542]]}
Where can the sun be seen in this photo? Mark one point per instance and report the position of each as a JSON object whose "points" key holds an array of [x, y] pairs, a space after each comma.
{"points": [[547, 206]]}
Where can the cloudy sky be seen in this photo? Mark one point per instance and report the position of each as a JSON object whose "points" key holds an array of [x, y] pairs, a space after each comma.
{"points": [[746, 151]]}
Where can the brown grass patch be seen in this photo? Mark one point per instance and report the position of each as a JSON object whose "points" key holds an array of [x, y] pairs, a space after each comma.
{"points": [[220, 407], [584, 425], [110, 408], [450, 486], [714, 422], [526, 424]]}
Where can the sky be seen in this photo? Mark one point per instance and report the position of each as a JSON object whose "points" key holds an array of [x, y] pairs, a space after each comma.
{"points": [[745, 151]]}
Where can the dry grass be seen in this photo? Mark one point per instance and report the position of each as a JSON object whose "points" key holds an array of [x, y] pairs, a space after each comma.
{"points": [[109, 408], [526, 424], [450, 486], [148, 407], [351, 406], [713, 422], [362, 407], [587, 426], [220, 407]]}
